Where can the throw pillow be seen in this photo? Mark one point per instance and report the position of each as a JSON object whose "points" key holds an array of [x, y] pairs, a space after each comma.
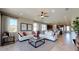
{"points": [[24, 34]]}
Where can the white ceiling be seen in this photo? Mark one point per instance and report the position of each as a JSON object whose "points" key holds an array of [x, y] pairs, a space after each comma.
{"points": [[59, 15]]}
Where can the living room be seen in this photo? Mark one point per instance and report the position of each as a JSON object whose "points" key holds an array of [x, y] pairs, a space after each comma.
{"points": [[43, 29], [23, 24]]}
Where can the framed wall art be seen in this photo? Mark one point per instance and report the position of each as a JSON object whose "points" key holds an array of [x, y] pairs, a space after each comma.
{"points": [[23, 27]]}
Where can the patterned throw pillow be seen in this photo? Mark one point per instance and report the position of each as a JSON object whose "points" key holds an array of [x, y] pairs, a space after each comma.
{"points": [[24, 34]]}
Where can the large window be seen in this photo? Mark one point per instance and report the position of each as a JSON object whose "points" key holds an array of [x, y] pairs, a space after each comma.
{"points": [[35, 26], [43, 27], [38, 26], [12, 25]]}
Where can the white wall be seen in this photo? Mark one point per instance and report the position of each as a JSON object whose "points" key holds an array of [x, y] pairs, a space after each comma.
{"points": [[27, 21]]}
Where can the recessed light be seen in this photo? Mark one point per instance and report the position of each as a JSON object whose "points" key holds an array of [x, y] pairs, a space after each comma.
{"points": [[21, 13], [53, 11], [66, 9]]}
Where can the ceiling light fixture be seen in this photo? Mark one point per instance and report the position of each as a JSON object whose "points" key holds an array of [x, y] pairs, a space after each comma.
{"points": [[44, 14], [21, 14], [53, 11]]}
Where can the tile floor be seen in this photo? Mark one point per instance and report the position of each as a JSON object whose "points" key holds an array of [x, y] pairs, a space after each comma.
{"points": [[64, 43]]}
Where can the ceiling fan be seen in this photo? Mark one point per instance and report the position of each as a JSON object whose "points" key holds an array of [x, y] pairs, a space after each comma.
{"points": [[44, 14]]}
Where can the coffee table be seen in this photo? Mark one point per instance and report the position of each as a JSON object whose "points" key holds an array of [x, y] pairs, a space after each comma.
{"points": [[36, 42]]}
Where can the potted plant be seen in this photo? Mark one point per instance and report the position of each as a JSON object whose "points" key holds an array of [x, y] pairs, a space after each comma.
{"points": [[76, 29], [76, 26]]}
